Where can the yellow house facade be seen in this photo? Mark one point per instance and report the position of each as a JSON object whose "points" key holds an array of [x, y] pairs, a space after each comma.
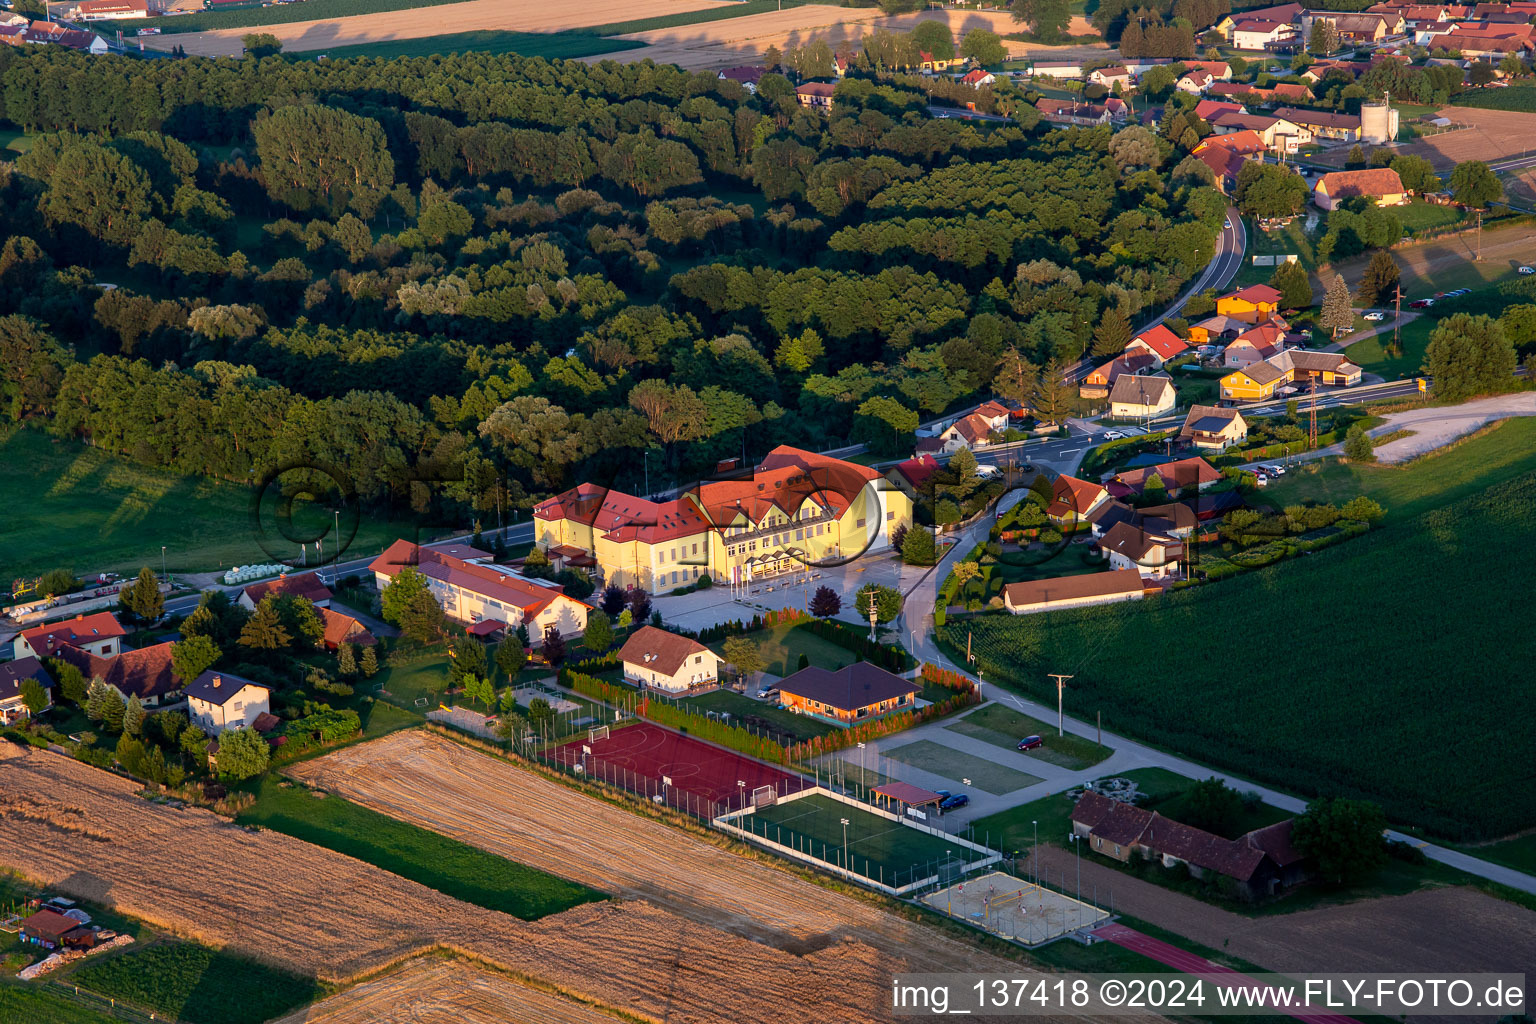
{"points": [[794, 509], [1253, 304]]}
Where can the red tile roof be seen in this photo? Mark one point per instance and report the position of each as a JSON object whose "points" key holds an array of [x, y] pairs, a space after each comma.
{"points": [[144, 673], [918, 469], [344, 629], [785, 479], [1076, 495], [973, 428], [487, 581], [1191, 472], [1162, 341], [1113, 583], [1372, 181], [82, 629], [1256, 293], [657, 649], [1205, 108], [306, 585]]}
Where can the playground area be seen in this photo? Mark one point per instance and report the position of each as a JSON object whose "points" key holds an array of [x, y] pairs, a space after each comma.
{"points": [[887, 850], [689, 774], [1015, 908]]}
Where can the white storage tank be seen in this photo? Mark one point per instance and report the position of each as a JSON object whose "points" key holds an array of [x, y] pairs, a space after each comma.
{"points": [[1378, 123]]}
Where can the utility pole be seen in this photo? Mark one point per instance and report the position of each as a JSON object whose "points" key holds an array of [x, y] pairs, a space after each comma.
{"points": [[1479, 236], [1397, 320], [1312, 436], [1061, 684]]}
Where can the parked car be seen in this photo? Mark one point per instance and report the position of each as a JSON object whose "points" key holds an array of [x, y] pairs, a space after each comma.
{"points": [[1031, 742], [1374, 316], [1261, 479], [1458, 291], [1114, 435], [1528, 270], [1421, 303], [1227, 223], [1274, 470], [767, 692], [950, 803]]}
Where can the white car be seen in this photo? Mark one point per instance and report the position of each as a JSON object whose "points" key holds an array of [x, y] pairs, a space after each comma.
{"points": [[1274, 470], [1227, 223], [1113, 435], [1261, 480], [1528, 270], [1373, 317]]}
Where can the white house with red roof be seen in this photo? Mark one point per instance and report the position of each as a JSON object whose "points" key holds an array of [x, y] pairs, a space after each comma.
{"points": [[99, 634], [306, 584], [478, 591], [1160, 343], [978, 77], [666, 661]]}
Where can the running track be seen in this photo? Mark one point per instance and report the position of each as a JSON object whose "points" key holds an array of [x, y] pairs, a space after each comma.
{"points": [[1189, 963]]}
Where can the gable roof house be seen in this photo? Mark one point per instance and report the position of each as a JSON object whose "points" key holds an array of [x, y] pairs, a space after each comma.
{"points": [[978, 77], [1324, 124], [972, 431], [218, 701], [1136, 397], [747, 77], [1160, 343], [1069, 112], [1253, 304], [99, 634], [52, 930], [146, 673], [1072, 500], [1153, 555], [666, 661], [1213, 428], [851, 694], [1256, 864], [1100, 380], [1190, 475], [1284, 13], [344, 629], [1261, 380], [12, 675], [474, 591], [1214, 329], [1080, 591], [306, 584], [1379, 183], [1195, 82], [1112, 76], [1207, 109], [1254, 345], [816, 95], [1261, 33], [914, 473]]}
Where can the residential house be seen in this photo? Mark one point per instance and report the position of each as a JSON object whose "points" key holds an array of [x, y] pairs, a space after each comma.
{"points": [[1257, 864], [816, 95], [1216, 329], [971, 431], [1292, 91], [1072, 500], [1079, 591], [793, 508], [1379, 183], [1195, 82], [12, 675], [1254, 345], [928, 62], [1207, 109], [39, 32], [1491, 42], [913, 474], [1118, 109], [1253, 304], [656, 659], [1160, 343], [1057, 69], [146, 673], [344, 629], [307, 585], [747, 77], [1254, 33], [1324, 124], [1099, 381], [1353, 28], [1068, 112], [1282, 13], [1219, 70], [52, 930], [1239, 92], [1135, 397], [978, 77], [1175, 519], [1279, 135], [850, 694], [472, 591], [1153, 555], [1112, 76], [1180, 477], [1261, 381], [1213, 428], [99, 633], [1225, 164], [218, 701]]}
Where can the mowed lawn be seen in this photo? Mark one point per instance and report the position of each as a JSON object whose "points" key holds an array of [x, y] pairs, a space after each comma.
{"points": [[1003, 727], [877, 847], [1372, 355], [958, 766], [1394, 674], [782, 646], [71, 506], [456, 869], [196, 984]]}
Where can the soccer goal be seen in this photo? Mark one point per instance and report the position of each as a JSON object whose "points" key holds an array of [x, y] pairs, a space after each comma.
{"points": [[764, 796], [597, 732]]}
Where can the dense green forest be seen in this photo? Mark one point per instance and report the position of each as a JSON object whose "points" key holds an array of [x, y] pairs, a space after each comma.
{"points": [[467, 281]]}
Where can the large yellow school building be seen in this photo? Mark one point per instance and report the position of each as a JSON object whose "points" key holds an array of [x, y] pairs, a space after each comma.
{"points": [[795, 508]]}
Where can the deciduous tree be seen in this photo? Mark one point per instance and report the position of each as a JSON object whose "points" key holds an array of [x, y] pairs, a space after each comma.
{"points": [[191, 656], [1469, 355], [243, 753], [1343, 837], [825, 603]]}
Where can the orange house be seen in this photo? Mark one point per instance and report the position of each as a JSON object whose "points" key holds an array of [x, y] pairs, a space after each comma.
{"points": [[854, 693], [1254, 304]]}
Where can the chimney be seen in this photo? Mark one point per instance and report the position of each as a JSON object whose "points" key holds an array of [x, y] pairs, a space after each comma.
{"points": [[216, 681]]}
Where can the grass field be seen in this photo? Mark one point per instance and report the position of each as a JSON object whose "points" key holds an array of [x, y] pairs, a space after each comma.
{"points": [[1003, 727], [1516, 97], [782, 646], [739, 706], [549, 45], [456, 869], [26, 1001], [958, 766], [1372, 356], [877, 847], [127, 512], [196, 984], [1418, 216], [1363, 675]]}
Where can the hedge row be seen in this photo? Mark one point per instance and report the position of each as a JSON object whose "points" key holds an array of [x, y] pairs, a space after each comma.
{"points": [[709, 729]]}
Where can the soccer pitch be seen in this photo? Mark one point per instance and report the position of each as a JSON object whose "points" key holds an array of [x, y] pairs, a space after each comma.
{"points": [[878, 847]]}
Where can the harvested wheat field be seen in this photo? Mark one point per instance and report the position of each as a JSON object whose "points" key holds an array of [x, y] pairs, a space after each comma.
{"points": [[472, 16], [1487, 135], [84, 832], [720, 44], [433, 990]]}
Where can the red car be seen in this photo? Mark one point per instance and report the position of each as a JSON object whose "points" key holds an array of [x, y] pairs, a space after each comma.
{"points": [[1031, 742]]}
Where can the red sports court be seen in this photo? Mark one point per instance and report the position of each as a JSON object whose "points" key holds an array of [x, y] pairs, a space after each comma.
{"points": [[638, 757]]}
